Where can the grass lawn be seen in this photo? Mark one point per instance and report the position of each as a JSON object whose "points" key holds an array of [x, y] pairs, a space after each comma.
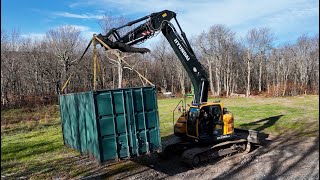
{"points": [[32, 144]]}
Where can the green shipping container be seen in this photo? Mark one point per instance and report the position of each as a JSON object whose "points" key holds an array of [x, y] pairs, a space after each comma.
{"points": [[111, 124]]}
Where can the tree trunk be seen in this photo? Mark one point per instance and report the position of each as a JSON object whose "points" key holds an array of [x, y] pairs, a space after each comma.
{"points": [[210, 75], [181, 80], [113, 78], [278, 80], [260, 74], [228, 77], [64, 79], [217, 82], [248, 76], [120, 71]]}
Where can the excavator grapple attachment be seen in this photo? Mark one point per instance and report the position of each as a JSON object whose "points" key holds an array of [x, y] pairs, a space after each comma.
{"points": [[122, 46]]}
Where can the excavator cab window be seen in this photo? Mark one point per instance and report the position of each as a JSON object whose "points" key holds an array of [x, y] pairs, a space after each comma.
{"points": [[225, 110], [192, 121], [217, 119], [210, 118], [205, 121], [216, 113]]}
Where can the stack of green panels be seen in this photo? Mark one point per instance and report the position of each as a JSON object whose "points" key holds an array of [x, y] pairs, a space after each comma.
{"points": [[111, 124]]}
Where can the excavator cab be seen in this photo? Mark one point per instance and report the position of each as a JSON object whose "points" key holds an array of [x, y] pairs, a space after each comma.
{"points": [[205, 123]]}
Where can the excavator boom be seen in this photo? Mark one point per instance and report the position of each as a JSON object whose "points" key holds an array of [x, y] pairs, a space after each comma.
{"points": [[160, 22]]}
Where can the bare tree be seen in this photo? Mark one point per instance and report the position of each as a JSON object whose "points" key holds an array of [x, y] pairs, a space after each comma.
{"points": [[159, 53], [217, 46], [107, 23], [257, 43], [4, 79], [63, 43]]}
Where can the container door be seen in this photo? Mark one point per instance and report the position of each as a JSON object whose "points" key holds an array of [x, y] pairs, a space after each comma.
{"points": [[106, 127], [151, 117], [134, 150], [112, 125], [145, 115], [121, 124], [140, 121], [128, 122]]}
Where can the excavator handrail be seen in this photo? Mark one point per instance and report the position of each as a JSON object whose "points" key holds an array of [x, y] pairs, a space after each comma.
{"points": [[183, 109]]}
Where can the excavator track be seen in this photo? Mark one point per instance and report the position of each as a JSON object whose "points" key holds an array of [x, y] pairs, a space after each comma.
{"points": [[192, 154], [193, 157]]}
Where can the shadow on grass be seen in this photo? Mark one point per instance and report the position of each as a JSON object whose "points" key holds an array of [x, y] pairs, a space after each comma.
{"points": [[267, 122], [66, 167], [32, 126], [33, 150]]}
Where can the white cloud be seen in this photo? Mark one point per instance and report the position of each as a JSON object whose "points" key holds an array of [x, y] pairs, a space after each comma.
{"points": [[86, 32], [80, 28], [72, 5], [34, 36], [240, 16], [77, 27], [78, 16]]}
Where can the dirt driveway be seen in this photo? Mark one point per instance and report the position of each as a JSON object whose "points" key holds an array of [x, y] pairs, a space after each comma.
{"points": [[283, 157]]}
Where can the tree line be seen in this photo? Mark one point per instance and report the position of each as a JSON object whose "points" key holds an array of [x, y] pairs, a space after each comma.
{"points": [[34, 70]]}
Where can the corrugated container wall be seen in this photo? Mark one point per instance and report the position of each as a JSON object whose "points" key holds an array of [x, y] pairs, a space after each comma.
{"points": [[111, 124]]}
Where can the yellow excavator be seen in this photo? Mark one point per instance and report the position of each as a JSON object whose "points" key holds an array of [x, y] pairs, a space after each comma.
{"points": [[205, 129], [206, 122]]}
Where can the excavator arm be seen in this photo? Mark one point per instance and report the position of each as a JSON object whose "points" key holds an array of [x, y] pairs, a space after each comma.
{"points": [[155, 23]]}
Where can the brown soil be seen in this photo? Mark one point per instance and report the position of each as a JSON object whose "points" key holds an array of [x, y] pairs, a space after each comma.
{"points": [[284, 157]]}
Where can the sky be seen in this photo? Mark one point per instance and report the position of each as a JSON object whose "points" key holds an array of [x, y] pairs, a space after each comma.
{"points": [[287, 19]]}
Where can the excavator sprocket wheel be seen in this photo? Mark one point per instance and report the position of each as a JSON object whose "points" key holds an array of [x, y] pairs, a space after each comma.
{"points": [[195, 161]]}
